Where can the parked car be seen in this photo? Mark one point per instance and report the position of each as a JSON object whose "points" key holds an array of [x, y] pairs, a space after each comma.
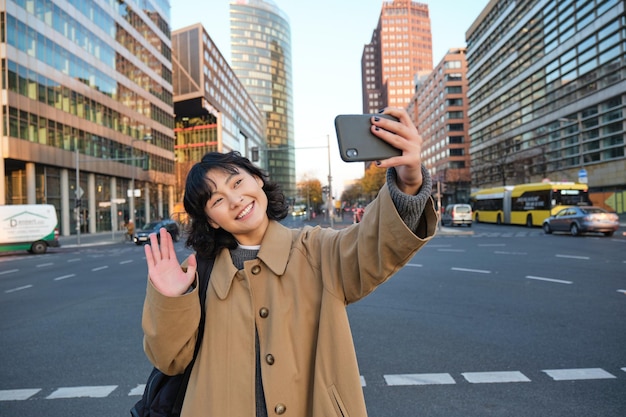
{"points": [[582, 219], [143, 236], [457, 215]]}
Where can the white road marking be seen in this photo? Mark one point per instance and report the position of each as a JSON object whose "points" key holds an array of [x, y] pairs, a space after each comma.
{"points": [[100, 268], [486, 245], [494, 377], [64, 277], [578, 374], [81, 392], [419, 379], [480, 271], [572, 256], [42, 265], [622, 291], [558, 281], [18, 289], [363, 384], [10, 271], [17, 394], [74, 260], [126, 262], [138, 390], [414, 265], [451, 250], [499, 252]]}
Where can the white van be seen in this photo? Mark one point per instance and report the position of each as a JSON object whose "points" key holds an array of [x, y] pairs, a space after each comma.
{"points": [[457, 215], [31, 227]]}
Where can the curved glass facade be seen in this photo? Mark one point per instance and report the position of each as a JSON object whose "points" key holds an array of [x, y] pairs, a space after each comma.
{"points": [[261, 59]]}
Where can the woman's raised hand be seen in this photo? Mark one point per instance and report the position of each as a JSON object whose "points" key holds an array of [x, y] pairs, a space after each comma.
{"points": [[404, 136], [163, 268]]}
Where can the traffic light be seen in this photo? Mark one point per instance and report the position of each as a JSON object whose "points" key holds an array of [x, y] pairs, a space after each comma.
{"points": [[79, 203]]}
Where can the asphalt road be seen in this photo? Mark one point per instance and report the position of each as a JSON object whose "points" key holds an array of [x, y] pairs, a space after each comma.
{"points": [[497, 321]]}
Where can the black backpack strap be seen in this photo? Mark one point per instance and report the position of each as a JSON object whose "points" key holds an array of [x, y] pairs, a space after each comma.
{"points": [[205, 266]]}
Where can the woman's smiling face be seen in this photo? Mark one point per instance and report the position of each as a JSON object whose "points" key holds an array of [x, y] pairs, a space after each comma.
{"points": [[238, 205]]}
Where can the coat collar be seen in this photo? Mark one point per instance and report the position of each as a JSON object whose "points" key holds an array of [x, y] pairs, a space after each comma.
{"points": [[275, 251]]}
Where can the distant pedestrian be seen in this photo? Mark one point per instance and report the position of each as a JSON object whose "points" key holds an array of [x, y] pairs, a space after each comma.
{"points": [[130, 230], [277, 338]]}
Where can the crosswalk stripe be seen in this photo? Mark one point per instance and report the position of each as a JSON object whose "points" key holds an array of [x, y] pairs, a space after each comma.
{"points": [[138, 390], [494, 377], [578, 374], [391, 380], [419, 379], [81, 392], [17, 394]]}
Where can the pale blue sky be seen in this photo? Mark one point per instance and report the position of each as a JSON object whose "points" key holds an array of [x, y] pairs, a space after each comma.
{"points": [[328, 37]]}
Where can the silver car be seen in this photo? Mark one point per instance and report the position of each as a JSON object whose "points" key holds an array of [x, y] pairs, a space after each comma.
{"points": [[584, 219]]}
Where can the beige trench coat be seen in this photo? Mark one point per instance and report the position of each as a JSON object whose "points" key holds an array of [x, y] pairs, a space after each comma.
{"points": [[295, 293]]}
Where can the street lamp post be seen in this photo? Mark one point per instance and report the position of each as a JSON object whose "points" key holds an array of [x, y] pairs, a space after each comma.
{"points": [[77, 193], [330, 189]]}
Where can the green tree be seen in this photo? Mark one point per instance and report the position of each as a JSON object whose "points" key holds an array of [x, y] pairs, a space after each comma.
{"points": [[310, 190], [372, 181]]}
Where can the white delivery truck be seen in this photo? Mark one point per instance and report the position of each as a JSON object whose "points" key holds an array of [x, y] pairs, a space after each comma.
{"points": [[31, 227]]}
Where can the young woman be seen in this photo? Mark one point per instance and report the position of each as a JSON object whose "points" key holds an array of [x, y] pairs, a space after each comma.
{"points": [[277, 339]]}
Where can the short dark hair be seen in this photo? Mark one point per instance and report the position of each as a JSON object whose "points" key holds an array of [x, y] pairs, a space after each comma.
{"points": [[203, 238]]}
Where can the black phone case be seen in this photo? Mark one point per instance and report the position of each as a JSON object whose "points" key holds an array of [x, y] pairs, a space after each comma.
{"points": [[357, 143]]}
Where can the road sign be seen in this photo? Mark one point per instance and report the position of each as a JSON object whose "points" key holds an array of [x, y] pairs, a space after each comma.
{"points": [[79, 193], [582, 176]]}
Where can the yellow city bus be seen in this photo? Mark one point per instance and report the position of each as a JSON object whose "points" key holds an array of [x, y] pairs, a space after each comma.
{"points": [[526, 204]]}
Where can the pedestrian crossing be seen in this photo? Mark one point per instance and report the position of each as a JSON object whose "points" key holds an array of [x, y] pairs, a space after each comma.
{"points": [[393, 380]]}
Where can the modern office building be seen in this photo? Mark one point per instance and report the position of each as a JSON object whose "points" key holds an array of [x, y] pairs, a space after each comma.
{"points": [[400, 47], [547, 90], [439, 109], [87, 110], [261, 58], [214, 112]]}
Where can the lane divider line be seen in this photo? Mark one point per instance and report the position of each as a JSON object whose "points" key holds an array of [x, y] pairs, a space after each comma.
{"points": [[572, 257], [100, 268], [64, 277], [558, 281], [18, 289], [480, 271]]}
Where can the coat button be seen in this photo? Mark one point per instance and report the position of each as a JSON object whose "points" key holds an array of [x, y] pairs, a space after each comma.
{"points": [[280, 408], [256, 269], [269, 358], [264, 312]]}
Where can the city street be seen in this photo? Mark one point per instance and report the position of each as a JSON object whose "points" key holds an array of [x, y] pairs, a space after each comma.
{"points": [[483, 321]]}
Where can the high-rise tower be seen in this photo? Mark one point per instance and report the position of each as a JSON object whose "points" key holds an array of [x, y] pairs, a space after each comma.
{"points": [[261, 59], [401, 47]]}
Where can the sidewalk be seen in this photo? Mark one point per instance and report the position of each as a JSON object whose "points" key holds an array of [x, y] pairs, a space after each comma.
{"points": [[92, 239]]}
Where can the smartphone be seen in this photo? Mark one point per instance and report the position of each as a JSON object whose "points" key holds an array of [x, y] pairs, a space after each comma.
{"points": [[357, 143]]}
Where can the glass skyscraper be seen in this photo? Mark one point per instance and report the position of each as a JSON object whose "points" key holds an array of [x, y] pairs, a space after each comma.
{"points": [[87, 110], [261, 59]]}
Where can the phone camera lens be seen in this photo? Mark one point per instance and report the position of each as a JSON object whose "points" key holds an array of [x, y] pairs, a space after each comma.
{"points": [[352, 153]]}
